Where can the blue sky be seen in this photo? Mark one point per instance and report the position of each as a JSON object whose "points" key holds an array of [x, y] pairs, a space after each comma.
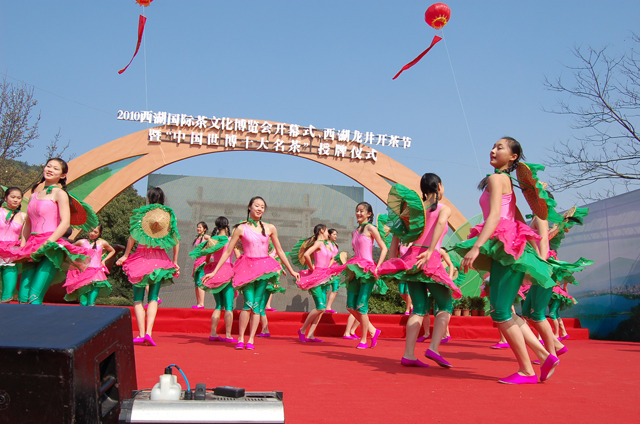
{"points": [[326, 63]]}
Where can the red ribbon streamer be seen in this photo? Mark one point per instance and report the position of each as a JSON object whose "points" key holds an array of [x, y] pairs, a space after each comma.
{"points": [[417, 59], [141, 23]]}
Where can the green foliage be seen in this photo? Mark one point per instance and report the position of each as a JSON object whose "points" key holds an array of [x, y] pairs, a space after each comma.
{"points": [[463, 303], [477, 303], [14, 173], [389, 303]]}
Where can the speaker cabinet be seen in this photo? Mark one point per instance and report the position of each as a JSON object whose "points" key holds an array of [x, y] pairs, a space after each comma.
{"points": [[64, 363]]}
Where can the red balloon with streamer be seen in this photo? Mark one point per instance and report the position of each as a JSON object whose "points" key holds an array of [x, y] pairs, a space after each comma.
{"points": [[436, 16], [144, 3]]}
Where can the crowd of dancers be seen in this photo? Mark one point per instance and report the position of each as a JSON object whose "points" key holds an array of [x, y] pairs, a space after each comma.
{"points": [[515, 258]]}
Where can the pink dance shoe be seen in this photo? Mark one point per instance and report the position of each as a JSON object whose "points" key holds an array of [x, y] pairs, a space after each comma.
{"points": [[301, 336], [562, 351], [264, 335], [249, 346], [519, 379], [361, 346], [413, 363], [215, 339], [430, 354], [314, 340], [197, 307], [374, 339], [138, 340], [499, 346], [330, 311], [149, 340], [240, 346], [565, 337], [228, 339], [271, 309], [423, 339], [445, 340], [548, 367]]}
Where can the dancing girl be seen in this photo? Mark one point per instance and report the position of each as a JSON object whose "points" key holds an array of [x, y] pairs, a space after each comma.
{"points": [[255, 268], [45, 253], [499, 246], [422, 269], [321, 270], [11, 222], [154, 228], [220, 285], [87, 284], [198, 266], [362, 272]]}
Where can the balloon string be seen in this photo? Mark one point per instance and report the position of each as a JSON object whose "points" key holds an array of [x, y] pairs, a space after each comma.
{"points": [[464, 114], [144, 51]]}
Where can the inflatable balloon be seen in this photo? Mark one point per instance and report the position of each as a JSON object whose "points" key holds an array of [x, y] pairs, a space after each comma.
{"points": [[436, 16]]}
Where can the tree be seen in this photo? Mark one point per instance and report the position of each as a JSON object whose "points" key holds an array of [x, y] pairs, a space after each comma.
{"points": [[18, 124], [603, 97]]}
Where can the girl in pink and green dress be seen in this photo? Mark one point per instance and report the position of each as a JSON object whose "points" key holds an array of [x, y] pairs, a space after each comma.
{"points": [[150, 266], [11, 222], [255, 269], [421, 266], [45, 254], [87, 284], [219, 286], [362, 272]]}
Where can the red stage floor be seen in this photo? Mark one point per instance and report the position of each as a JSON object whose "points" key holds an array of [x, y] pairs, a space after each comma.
{"points": [[332, 382]]}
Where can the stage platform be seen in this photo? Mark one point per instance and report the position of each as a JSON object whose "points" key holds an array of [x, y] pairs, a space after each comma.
{"points": [[182, 320], [333, 382]]}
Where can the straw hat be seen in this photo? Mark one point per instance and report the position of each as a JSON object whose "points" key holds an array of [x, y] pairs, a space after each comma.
{"points": [[156, 223], [531, 187]]}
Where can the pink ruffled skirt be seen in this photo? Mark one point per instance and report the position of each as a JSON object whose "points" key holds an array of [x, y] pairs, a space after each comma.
{"points": [[146, 261], [247, 269], [310, 279], [77, 279], [223, 276], [514, 235], [404, 269], [198, 263], [32, 251]]}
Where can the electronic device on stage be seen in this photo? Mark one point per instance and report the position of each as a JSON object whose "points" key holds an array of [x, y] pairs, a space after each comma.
{"points": [[221, 405]]}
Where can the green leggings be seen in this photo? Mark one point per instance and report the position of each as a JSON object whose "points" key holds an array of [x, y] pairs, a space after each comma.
{"points": [[198, 276], [536, 302], [89, 297], [9, 281], [334, 284], [358, 295], [154, 291], [319, 295], [253, 293], [419, 292], [35, 281], [224, 298], [505, 283], [554, 308]]}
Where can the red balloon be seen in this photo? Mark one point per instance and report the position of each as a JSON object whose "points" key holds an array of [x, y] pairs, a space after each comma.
{"points": [[144, 3], [437, 15]]}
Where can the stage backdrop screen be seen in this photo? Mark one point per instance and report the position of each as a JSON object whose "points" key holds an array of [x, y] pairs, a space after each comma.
{"points": [[294, 208]]}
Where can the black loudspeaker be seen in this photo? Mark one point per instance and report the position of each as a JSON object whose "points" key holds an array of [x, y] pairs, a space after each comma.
{"points": [[64, 364]]}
